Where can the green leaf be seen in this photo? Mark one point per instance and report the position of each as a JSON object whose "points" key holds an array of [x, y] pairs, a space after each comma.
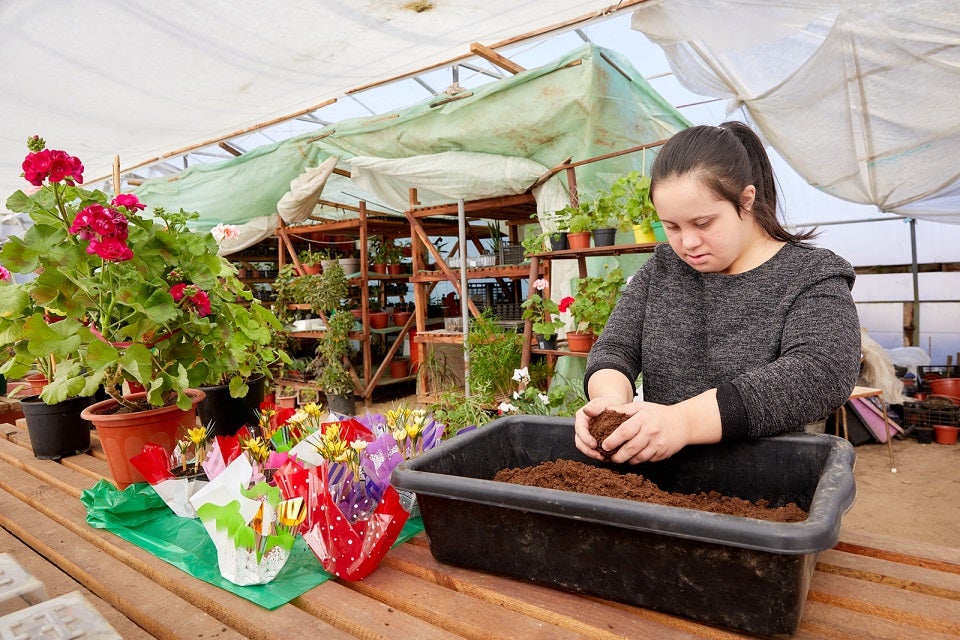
{"points": [[137, 361], [59, 338]]}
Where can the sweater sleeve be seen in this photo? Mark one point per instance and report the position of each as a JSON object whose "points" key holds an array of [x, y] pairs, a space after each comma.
{"points": [[817, 366]]}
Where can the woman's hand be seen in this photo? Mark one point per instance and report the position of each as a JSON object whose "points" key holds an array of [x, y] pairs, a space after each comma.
{"points": [[585, 442], [653, 432]]}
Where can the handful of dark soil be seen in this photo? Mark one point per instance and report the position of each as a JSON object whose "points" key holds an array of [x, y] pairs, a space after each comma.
{"points": [[603, 425]]}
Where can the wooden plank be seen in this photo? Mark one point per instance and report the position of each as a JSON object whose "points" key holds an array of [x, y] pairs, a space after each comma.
{"points": [[455, 612], [162, 614], [57, 583], [248, 619], [588, 617], [945, 559], [364, 617], [886, 605], [899, 575], [821, 620]]}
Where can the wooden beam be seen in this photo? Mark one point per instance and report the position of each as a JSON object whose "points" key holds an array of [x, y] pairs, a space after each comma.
{"points": [[229, 148], [493, 57]]}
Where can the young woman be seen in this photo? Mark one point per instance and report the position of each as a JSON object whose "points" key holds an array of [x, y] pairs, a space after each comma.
{"points": [[739, 328]]}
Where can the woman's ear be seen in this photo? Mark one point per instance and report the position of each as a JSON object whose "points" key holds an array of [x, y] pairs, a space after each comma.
{"points": [[747, 197]]}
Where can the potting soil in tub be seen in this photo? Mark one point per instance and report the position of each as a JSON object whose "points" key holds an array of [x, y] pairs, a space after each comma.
{"points": [[743, 573]]}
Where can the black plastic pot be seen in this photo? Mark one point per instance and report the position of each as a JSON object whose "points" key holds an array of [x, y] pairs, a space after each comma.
{"points": [[604, 237], [344, 405], [748, 574], [546, 343], [228, 414], [558, 241], [56, 430]]}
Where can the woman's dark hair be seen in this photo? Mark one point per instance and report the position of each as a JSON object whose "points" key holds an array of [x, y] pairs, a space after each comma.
{"points": [[726, 159]]}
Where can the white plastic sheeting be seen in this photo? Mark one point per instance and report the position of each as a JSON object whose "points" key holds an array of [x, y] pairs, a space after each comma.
{"points": [[142, 79], [453, 175], [860, 98]]}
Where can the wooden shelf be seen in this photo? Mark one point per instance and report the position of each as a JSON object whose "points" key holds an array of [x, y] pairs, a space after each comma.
{"points": [[478, 273]]}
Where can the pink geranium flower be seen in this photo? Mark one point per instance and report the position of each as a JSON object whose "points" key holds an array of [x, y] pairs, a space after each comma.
{"points": [[196, 297], [53, 165], [4, 274], [129, 201]]}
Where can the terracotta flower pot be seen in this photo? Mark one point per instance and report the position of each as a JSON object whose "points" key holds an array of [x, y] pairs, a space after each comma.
{"points": [[945, 387], [123, 435], [37, 382], [579, 240], [945, 434], [580, 342], [310, 269], [399, 368], [400, 317], [395, 269], [379, 319]]}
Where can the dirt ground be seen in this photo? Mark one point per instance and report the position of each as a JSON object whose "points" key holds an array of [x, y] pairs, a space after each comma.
{"points": [[921, 501]]}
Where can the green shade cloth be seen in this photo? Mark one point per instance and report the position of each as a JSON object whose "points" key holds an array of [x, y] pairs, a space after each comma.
{"points": [[138, 515]]}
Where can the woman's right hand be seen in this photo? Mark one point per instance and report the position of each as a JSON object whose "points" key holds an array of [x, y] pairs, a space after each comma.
{"points": [[585, 442]]}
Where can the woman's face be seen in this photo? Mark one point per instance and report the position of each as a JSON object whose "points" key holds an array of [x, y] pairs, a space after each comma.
{"points": [[702, 229]]}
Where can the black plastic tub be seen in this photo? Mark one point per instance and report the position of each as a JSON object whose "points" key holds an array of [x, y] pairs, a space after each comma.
{"points": [[743, 573]]}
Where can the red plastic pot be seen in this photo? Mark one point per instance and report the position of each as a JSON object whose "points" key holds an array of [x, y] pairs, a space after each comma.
{"points": [[945, 434], [945, 386], [123, 435]]}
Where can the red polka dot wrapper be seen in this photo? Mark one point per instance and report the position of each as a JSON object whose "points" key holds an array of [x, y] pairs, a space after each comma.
{"points": [[348, 550]]}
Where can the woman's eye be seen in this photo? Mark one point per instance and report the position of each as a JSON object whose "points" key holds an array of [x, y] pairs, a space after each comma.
{"points": [[702, 224]]}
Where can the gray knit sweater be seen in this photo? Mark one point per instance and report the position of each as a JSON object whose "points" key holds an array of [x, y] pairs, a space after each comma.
{"points": [[785, 334]]}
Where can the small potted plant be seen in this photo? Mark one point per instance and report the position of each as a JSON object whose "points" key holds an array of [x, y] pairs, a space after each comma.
{"points": [[581, 224], [591, 306], [544, 313], [632, 195], [310, 261], [333, 376]]}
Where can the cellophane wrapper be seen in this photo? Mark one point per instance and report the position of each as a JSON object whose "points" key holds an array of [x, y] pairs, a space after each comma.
{"points": [[349, 545], [249, 551], [154, 464]]}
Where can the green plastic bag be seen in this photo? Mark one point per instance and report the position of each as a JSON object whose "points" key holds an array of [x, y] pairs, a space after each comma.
{"points": [[138, 515]]}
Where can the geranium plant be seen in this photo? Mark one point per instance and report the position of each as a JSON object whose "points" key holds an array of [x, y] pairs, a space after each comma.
{"points": [[594, 299], [543, 311], [133, 298]]}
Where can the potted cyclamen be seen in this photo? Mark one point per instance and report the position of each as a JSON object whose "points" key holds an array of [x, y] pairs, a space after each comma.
{"points": [[142, 300], [544, 314]]}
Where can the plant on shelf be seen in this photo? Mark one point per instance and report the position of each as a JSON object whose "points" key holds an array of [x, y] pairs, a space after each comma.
{"points": [[542, 311], [458, 413], [309, 256], [496, 238], [139, 299], [594, 299], [494, 354], [390, 252], [329, 290], [331, 372], [580, 218], [631, 195], [287, 290]]}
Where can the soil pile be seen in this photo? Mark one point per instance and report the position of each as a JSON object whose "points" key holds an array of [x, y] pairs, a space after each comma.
{"points": [[568, 475]]}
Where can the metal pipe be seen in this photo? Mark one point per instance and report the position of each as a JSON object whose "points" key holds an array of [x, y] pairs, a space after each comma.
{"points": [[916, 281], [464, 310]]}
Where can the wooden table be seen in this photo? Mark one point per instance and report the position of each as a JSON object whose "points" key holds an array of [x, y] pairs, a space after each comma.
{"points": [[865, 587]]}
